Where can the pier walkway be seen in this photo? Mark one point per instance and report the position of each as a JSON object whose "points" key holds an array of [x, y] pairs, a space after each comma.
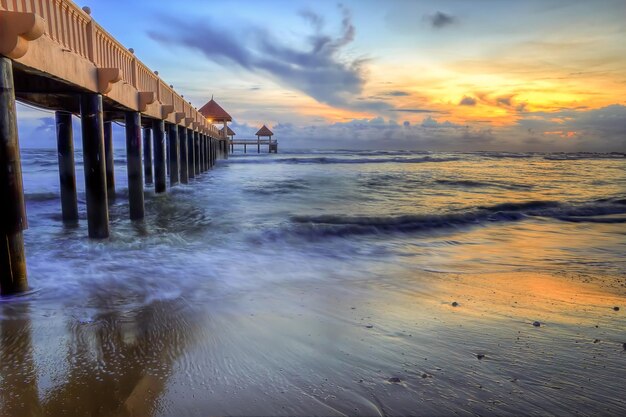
{"points": [[272, 145], [55, 56]]}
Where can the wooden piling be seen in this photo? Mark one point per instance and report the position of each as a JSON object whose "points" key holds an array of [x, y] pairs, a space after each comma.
{"points": [[191, 150], [196, 141], [184, 155], [13, 278], [204, 152], [172, 139], [109, 157], [160, 177], [67, 167], [147, 155], [94, 164], [207, 161], [134, 167], [201, 147]]}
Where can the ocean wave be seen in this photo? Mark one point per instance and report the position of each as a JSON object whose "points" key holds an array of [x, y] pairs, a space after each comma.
{"points": [[583, 155], [329, 160], [40, 197], [479, 184], [348, 225], [280, 187]]}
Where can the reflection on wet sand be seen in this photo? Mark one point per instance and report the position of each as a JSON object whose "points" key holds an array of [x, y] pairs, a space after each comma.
{"points": [[116, 365], [388, 345], [18, 374]]}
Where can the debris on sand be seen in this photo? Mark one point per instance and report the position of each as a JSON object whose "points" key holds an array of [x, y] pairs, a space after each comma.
{"points": [[480, 356], [616, 308], [369, 326], [537, 324], [455, 304], [394, 380]]}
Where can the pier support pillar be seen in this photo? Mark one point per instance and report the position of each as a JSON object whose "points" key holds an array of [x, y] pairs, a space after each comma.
{"points": [[206, 153], [94, 164], [191, 151], [13, 277], [147, 155], [109, 157], [67, 167], [134, 167], [158, 135], [172, 140], [196, 141], [184, 155], [201, 147], [207, 160]]}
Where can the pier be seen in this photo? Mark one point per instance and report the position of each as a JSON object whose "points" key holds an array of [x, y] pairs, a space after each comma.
{"points": [[53, 55], [272, 145]]}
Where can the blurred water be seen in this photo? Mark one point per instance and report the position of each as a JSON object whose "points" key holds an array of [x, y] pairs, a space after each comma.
{"points": [[299, 239]]}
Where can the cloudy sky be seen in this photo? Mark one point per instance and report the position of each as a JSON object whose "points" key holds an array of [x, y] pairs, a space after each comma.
{"points": [[439, 75]]}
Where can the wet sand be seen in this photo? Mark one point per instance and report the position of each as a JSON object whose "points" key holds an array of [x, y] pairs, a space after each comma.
{"points": [[391, 344]]}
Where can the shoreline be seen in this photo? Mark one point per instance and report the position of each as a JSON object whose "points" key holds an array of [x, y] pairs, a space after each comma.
{"points": [[379, 346]]}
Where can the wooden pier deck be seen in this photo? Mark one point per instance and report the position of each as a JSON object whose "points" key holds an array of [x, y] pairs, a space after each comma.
{"points": [[55, 56], [272, 145]]}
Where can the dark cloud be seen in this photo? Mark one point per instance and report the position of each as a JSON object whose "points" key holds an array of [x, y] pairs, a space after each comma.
{"points": [[418, 111], [313, 18], [317, 69], [467, 101], [440, 20], [396, 93], [430, 123], [506, 101]]}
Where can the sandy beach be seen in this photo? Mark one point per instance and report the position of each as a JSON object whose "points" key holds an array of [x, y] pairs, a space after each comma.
{"points": [[389, 345]]}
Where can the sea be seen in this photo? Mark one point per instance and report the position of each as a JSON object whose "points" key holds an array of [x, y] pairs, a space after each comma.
{"points": [[322, 283]]}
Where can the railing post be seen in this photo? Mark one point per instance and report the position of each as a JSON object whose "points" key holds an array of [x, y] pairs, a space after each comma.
{"points": [[94, 164], [184, 155], [158, 133], [91, 41], [13, 276], [147, 155], [67, 168], [133, 161]]}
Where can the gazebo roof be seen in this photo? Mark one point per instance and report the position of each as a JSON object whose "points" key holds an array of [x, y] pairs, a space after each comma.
{"points": [[215, 112], [264, 131], [229, 131]]}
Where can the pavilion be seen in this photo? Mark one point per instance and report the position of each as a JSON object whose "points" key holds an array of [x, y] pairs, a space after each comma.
{"points": [[214, 113], [230, 133], [263, 132]]}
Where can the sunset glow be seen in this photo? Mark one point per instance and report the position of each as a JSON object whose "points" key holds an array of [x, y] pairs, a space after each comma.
{"points": [[507, 73]]}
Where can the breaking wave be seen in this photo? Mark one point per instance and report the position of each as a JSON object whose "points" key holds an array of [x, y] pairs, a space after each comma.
{"points": [[329, 160], [347, 225]]}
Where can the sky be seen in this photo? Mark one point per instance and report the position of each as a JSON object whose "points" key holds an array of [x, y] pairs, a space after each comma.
{"points": [[362, 74]]}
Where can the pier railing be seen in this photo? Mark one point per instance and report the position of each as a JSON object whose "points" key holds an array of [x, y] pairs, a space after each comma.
{"points": [[75, 31]]}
